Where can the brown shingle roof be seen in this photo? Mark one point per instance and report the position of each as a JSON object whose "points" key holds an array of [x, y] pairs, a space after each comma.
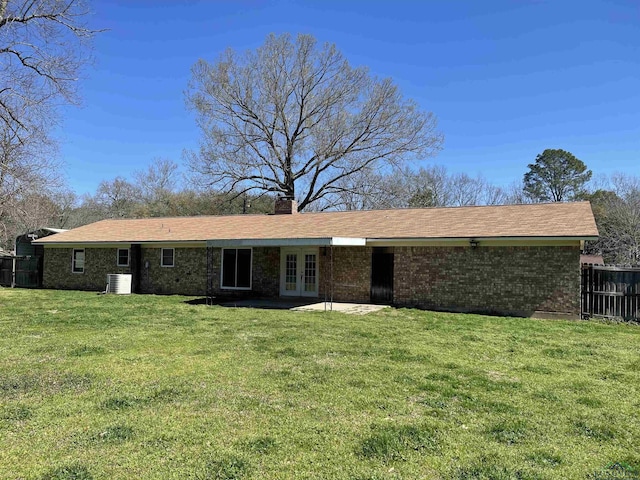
{"points": [[594, 259], [537, 220]]}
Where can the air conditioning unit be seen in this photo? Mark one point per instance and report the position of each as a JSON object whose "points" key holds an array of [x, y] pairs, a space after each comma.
{"points": [[119, 283]]}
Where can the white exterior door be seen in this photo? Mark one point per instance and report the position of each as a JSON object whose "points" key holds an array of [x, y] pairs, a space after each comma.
{"points": [[299, 272]]}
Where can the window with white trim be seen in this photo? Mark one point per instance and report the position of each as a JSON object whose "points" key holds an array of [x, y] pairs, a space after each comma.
{"points": [[167, 257], [77, 260], [123, 257], [236, 268]]}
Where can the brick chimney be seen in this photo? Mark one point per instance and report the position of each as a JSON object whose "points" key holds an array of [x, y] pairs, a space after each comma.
{"points": [[286, 206]]}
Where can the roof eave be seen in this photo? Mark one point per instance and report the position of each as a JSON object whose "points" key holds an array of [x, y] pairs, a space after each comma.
{"points": [[324, 241], [523, 238], [49, 241]]}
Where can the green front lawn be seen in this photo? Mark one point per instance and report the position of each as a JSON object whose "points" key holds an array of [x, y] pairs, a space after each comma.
{"points": [[127, 387]]}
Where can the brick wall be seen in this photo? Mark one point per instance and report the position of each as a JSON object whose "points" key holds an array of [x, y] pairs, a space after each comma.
{"points": [[512, 280], [507, 280], [97, 264], [265, 281], [351, 273], [188, 276]]}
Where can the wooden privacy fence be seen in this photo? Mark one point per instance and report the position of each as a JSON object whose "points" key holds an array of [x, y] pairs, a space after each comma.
{"points": [[6, 271], [23, 271], [611, 292], [28, 271]]}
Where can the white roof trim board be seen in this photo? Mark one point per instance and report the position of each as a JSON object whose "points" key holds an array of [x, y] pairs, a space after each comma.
{"points": [[288, 242]]}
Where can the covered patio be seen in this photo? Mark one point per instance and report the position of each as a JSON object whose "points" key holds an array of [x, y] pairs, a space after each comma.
{"points": [[299, 271]]}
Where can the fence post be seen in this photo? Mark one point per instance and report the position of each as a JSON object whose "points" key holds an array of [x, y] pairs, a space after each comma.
{"points": [[13, 272]]}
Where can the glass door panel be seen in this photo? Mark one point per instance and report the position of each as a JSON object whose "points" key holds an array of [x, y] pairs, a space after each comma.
{"points": [[310, 274], [291, 272]]}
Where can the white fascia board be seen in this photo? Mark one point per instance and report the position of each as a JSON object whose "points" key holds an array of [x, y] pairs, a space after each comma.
{"points": [[287, 242], [348, 242]]}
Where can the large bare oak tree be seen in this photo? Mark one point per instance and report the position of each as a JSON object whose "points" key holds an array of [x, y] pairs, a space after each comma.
{"points": [[42, 49], [43, 45], [295, 118]]}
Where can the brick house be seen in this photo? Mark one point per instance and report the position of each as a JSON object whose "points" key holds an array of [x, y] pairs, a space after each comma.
{"points": [[512, 259]]}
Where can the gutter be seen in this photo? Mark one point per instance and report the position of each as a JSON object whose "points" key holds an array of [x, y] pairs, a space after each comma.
{"points": [[467, 239]]}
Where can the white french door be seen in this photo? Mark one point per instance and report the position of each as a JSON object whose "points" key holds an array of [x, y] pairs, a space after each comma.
{"points": [[299, 272]]}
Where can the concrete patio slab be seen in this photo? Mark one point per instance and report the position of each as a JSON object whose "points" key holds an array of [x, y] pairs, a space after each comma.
{"points": [[351, 308], [304, 305]]}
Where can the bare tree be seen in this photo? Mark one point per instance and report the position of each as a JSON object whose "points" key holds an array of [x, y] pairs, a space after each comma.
{"points": [[617, 213], [66, 201], [117, 197], [514, 193], [28, 168], [435, 187], [43, 45], [85, 209], [427, 187], [370, 189], [365, 189], [616, 208], [31, 212], [42, 49], [156, 187], [296, 119], [158, 180], [26, 165], [465, 190]]}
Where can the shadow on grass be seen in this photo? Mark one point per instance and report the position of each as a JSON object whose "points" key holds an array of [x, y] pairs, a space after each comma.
{"points": [[617, 471], [155, 396], [113, 434], [491, 471], [45, 383], [508, 432], [391, 442], [225, 467], [15, 413], [68, 472], [262, 303], [260, 445]]}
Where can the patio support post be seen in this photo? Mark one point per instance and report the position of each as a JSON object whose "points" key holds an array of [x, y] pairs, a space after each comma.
{"points": [[331, 270], [324, 279], [209, 300]]}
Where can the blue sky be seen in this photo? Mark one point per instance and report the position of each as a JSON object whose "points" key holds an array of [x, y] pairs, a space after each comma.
{"points": [[506, 79]]}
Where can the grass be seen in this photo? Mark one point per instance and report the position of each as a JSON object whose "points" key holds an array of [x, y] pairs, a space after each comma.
{"points": [[121, 387]]}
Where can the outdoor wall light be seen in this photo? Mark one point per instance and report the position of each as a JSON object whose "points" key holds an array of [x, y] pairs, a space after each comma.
{"points": [[474, 243]]}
